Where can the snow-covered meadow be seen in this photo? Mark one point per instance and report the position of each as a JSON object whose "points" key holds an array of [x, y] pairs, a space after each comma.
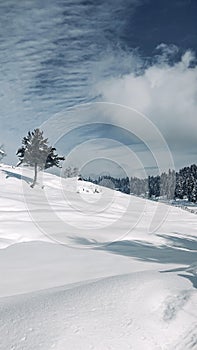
{"points": [[85, 267]]}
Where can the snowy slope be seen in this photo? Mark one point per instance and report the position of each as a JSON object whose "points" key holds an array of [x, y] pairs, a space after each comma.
{"points": [[83, 269]]}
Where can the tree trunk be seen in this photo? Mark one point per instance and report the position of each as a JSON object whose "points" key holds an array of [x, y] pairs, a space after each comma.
{"points": [[35, 175]]}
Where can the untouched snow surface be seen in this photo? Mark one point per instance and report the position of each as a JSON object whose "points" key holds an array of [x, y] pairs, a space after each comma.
{"points": [[84, 267]]}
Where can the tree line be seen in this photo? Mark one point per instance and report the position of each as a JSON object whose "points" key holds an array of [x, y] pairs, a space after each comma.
{"points": [[170, 185]]}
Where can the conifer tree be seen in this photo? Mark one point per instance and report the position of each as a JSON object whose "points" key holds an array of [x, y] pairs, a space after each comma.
{"points": [[2, 152], [36, 152]]}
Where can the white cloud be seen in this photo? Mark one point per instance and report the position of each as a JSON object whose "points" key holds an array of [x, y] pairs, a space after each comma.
{"points": [[167, 50], [166, 93]]}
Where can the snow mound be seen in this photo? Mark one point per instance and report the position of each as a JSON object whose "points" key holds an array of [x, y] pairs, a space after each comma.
{"points": [[103, 315]]}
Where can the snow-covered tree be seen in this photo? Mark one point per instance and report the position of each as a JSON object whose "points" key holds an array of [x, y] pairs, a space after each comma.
{"points": [[2, 152], [71, 172], [36, 152]]}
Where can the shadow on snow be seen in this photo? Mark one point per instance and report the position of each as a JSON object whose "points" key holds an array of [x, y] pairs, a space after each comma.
{"points": [[17, 176], [177, 250]]}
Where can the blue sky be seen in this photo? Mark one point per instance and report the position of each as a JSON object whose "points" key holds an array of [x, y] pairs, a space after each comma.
{"points": [[137, 53]]}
